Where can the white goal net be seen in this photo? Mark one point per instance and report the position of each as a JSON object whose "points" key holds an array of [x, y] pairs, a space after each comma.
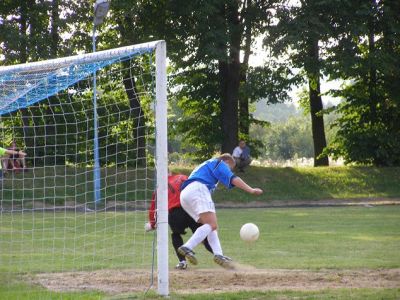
{"points": [[93, 128]]}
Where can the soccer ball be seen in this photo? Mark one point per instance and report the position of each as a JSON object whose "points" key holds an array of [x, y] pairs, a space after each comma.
{"points": [[249, 232]]}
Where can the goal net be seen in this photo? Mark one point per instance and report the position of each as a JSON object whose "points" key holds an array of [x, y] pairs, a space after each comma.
{"points": [[72, 211]]}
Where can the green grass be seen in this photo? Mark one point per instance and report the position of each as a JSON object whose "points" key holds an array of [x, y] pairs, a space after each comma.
{"points": [[313, 238], [27, 292], [23, 291], [60, 184], [63, 241], [316, 183], [345, 294], [65, 184], [291, 238]]}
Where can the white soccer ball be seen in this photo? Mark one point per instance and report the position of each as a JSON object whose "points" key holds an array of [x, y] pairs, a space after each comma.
{"points": [[249, 232]]}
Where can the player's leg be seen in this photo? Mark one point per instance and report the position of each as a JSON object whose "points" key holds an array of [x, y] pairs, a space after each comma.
{"points": [[246, 162], [17, 164], [21, 161], [177, 242], [237, 163], [4, 163], [196, 201], [213, 239], [219, 257], [199, 235], [193, 225], [176, 223], [11, 163]]}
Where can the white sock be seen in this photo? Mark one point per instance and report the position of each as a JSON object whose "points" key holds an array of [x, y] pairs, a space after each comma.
{"points": [[198, 236], [215, 245]]}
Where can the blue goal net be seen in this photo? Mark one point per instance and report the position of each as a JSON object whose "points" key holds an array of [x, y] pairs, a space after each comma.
{"points": [[77, 202], [20, 87]]}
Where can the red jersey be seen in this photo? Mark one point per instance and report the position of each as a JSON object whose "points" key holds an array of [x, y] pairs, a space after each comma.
{"points": [[174, 194]]}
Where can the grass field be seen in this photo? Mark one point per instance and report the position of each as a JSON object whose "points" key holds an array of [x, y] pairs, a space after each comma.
{"points": [[313, 239], [314, 183], [59, 185]]}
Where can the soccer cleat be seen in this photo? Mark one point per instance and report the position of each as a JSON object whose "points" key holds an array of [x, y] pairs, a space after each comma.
{"points": [[224, 261], [189, 254], [181, 266]]}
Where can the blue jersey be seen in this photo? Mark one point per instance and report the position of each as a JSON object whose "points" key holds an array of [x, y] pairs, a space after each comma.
{"points": [[210, 173]]}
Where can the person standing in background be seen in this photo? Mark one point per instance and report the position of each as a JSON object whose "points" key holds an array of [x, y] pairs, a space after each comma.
{"points": [[241, 154]]}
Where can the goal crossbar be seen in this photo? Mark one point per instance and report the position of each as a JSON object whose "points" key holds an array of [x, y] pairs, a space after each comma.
{"points": [[26, 84], [82, 58]]}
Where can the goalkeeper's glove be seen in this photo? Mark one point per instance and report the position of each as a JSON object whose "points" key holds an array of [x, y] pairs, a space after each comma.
{"points": [[148, 227]]}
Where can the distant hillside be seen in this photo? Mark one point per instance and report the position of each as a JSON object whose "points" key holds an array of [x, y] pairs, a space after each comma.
{"points": [[275, 113]]}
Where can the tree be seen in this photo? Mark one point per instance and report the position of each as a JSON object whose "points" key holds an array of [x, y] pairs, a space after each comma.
{"points": [[301, 33], [134, 24], [290, 139], [210, 37], [288, 135], [31, 31], [367, 55]]}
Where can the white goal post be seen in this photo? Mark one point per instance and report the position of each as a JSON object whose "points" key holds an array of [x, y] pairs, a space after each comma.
{"points": [[49, 202]]}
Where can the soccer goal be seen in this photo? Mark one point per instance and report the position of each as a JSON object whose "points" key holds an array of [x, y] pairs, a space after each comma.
{"points": [[94, 130]]}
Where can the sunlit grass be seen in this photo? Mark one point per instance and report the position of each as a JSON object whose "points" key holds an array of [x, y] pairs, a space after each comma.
{"points": [[316, 183], [60, 185]]}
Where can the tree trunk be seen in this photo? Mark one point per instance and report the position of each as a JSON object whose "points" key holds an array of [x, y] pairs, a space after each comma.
{"points": [[390, 79], [317, 119], [139, 138], [55, 20], [52, 140], [229, 81], [23, 26], [137, 114], [244, 117], [372, 83], [229, 73], [26, 115], [372, 80]]}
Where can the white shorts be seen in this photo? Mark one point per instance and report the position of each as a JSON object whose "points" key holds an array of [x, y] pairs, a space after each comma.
{"points": [[196, 199]]}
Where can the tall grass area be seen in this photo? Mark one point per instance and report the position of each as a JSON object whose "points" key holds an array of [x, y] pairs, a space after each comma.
{"points": [[60, 185], [306, 183]]}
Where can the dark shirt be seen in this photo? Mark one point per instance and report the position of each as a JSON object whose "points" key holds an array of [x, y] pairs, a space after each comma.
{"points": [[245, 153]]}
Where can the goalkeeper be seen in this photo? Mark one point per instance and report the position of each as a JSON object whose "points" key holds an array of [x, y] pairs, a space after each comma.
{"points": [[178, 219]]}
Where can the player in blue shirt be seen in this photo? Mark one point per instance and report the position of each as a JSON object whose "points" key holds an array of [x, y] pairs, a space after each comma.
{"points": [[197, 202]]}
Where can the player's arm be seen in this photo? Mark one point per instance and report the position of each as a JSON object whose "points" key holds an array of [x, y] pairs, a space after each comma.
{"points": [[13, 152], [151, 225], [4, 151], [238, 182]]}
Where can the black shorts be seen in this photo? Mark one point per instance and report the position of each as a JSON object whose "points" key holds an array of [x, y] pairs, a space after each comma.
{"points": [[179, 221]]}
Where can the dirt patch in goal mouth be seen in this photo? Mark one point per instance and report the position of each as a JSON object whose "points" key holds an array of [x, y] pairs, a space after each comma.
{"points": [[219, 280]]}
